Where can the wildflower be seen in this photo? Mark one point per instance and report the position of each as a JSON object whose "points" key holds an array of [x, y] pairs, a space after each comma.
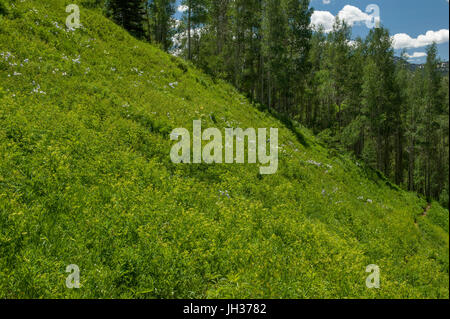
{"points": [[314, 163], [6, 55], [37, 89], [224, 193]]}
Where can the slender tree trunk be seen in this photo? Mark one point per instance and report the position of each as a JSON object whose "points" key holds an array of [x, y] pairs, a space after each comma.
{"points": [[412, 159], [189, 30], [399, 158], [147, 12]]}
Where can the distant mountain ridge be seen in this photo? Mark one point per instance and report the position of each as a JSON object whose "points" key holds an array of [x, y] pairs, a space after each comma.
{"points": [[443, 66]]}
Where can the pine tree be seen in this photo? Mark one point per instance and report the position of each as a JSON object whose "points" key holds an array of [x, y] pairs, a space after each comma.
{"points": [[160, 22], [380, 95], [432, 107], [195, 17], [129, 14]]}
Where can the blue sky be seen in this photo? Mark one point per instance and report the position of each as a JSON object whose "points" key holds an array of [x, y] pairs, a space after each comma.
{"points": [[411, 17], [412, 23]]}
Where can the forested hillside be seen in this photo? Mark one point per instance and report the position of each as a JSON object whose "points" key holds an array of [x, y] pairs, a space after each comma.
{"points": [[86, 176], [350, 91]]}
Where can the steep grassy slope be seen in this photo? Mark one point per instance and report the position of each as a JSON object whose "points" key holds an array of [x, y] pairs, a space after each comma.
{"points": [[86, 179]]}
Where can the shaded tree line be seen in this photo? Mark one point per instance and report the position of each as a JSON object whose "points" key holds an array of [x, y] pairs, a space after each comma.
{"points": [[151, 20]]}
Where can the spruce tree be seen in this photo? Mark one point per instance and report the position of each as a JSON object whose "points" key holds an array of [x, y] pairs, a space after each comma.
{"points": [[129, 14]]}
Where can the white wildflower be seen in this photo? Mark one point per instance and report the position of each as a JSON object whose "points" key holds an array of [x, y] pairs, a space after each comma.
{"points": [[314, 163], [77, 60]]}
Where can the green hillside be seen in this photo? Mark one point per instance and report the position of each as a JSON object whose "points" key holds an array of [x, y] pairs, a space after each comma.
{"points": [[86, 179]]}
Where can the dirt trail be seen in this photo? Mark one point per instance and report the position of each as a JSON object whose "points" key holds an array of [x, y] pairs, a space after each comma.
{"points": [[425, 213]]}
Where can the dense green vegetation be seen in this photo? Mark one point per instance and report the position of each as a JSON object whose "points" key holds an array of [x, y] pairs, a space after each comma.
{"points": [[86, 179], [353, 92]]}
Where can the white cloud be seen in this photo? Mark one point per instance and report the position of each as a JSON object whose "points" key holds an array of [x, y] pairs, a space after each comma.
{"points": [[415, 55], [352, 43], [404, 41], [328, 1], [353, 15], [182, 8], [350, 14], [324, 19]]}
